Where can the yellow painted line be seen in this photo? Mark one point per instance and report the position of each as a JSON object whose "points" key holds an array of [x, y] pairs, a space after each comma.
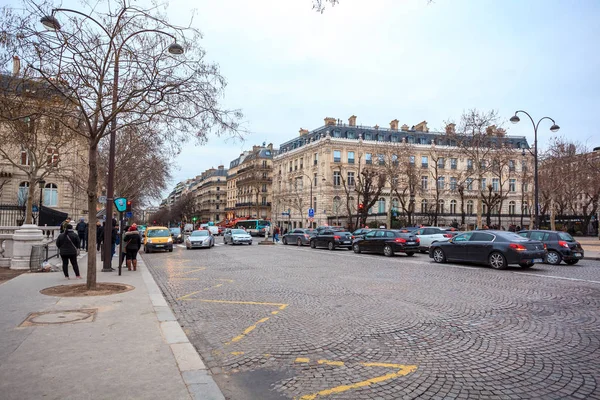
{"points": [[283, 306], [386, 365], [226, 280], [406, 369], [248, 330], [302, 360], [243, 302], [187, 272], [266, 355], [187, 295], [274, 312], [237, 353], [335, 363]]}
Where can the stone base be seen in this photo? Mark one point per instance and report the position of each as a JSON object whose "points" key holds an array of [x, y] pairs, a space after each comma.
{"points": [[23, 239]]}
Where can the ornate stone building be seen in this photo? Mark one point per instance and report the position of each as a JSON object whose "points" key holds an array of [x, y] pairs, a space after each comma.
{"points": [[210, 192]]}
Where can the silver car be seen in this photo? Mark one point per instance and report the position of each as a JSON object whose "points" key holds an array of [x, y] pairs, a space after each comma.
{"points": [[199, 239], [236, 236]]}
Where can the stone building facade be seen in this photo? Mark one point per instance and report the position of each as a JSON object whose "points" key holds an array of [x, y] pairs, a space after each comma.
{"points": [[209, 190]]}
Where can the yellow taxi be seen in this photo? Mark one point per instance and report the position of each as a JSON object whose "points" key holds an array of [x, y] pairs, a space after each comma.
{"points": [[157, 238]]}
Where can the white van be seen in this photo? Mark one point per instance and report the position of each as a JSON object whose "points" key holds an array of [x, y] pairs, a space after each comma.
{"points": [[188, 228]]}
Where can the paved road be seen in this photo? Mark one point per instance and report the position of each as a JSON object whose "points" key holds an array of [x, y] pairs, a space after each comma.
{"points": [[282, 322]]}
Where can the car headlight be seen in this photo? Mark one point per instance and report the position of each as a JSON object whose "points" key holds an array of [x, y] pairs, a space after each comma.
{"points": [[170, 240], [149, 240]]}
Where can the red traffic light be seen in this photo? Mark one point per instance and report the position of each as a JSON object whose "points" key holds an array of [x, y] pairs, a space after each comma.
{"points": [[361, 206], [128, 205]]}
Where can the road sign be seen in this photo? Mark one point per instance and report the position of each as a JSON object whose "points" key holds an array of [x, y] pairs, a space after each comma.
{"points": [[128, 214], [121, 204], [34, 208], [285, 214], [102, 199], [311, 213]]}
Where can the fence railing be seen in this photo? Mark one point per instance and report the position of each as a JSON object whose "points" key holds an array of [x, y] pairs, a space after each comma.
{"points": [[12, 215]]}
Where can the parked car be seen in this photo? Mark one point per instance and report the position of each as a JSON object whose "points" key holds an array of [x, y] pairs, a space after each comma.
{"points": [[236, 236], [560, 245], [408, 229], [214, 230], [429, 235], [332, 239], [299, 237], [158, 238], [388, 242], [198, 239], [188, 228], [177, 235], [320, 229], [498, 249], [359, 233]]}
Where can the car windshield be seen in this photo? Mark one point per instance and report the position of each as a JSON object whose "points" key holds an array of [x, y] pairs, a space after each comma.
{"points": [[176, 231], [199, 233], [565, 236], [238, 232], [159, 233]]}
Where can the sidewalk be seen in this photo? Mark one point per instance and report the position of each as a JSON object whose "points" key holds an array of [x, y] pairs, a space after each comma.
{"points": [[133, 349], [591, 247]]}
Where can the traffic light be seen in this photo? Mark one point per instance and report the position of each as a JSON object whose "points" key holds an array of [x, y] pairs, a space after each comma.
{"points": [[128, 209], [361, 207], [194, 219]]}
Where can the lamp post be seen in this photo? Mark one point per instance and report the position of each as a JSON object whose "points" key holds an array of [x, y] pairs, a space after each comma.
{"points": [[51, 23], [42, 183], [554, 128]]}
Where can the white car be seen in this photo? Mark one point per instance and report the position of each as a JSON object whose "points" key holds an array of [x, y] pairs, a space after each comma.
{"points": [[199, 239], [430, 235], [236, 236]]}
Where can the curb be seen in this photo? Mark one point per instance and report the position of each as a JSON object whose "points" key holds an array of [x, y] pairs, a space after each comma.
{"points": [[196, 376]]}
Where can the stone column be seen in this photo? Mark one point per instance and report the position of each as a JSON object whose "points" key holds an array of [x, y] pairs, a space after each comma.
{"points": [[23, 239], [6, 245]]}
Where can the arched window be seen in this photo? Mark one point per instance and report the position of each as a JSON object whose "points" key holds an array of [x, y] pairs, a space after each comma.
{"points": [[512, 206], [525, 208], [424, 205], [470, 207], [23, 192], [337, 205], [381, 206], [452, 206], [51, 195], [441, 205]]}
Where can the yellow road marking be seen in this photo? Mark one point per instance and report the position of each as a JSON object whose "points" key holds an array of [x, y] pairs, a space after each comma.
{"points": [[226, 280], [187, 272], [327, 362], [405, 370], [375, 364], [237, 353], [281, 306], [274, 312], [248, 330], [302, 360], [187, 295], [266, 355]]}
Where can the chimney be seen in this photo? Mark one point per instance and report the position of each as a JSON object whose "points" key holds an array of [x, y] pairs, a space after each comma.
{"points": [[450, 129], [376, 127], [16, 65], [421, 127], [490, 130], [270, 146], [404, 127], [303, 131], [352, 120], [329, 121], [221, 167], [394, 125]]}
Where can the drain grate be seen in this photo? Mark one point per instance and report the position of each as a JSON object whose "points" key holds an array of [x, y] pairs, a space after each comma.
{"points": [[60, 317]]}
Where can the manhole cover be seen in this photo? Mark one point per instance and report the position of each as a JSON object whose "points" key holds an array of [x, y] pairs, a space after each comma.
{"points": [[60, 317]]}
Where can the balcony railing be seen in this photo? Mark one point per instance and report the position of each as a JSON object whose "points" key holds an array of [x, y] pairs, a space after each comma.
{"points": [[253, 204]]}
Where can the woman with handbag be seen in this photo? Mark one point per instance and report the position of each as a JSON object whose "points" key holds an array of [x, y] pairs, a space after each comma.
{"points": [[68, 246], [132, 243]]}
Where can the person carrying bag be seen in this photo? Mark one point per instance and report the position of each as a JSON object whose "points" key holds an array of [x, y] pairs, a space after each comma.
{"points": [[68, 246]]}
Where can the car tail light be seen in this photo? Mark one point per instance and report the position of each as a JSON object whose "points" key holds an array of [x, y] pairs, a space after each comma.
{"points": [[336, 237], [517, 247], [307, 236], [545, 247], [564, 244], [418, 241], [400, 240], [447, 235]]}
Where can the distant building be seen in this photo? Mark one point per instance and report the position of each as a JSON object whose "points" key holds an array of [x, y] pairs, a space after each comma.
{"points": [[209, 190]]}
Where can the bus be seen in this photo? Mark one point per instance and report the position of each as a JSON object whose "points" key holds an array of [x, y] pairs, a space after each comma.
{"points": [[254, 227]]}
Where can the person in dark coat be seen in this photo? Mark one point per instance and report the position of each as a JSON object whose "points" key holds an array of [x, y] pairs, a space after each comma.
{"points": [[132, 243], [81, 232], [113, 240], [99, 235], [68, 243]]}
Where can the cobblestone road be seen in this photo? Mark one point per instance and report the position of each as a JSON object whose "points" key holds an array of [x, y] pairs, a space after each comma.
{"points": [[282, 322]]}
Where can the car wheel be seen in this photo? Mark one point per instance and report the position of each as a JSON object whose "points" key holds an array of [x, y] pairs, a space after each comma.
{"points": [[313, 245], [285, 241], [422, 251], [572, 262], [410, 253], [356, 248], [170, 250], [330, 246], [497, 260], [299, 242], [250, 244], [438, 255], [526, 265], [553, 258], [147, 250], [387, 251]]}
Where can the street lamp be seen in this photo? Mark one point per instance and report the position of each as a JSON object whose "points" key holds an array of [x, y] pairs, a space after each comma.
{"points": [[51, 23], [554, 128]]}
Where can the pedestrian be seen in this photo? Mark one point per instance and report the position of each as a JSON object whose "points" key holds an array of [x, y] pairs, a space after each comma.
{"points": [[132, 244], [113, 240], [68, 245], [99, 235], [63, 226], [81, 229], [123, 251], [276, 234]]}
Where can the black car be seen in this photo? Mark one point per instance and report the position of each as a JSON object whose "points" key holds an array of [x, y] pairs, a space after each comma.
{"points": [[332, 239], [299, 237], [176, 235], [497, 249], [359, 233], [388, 242], [561, 246]]}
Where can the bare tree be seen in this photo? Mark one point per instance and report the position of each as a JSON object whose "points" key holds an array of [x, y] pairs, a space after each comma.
{"points": [[402, 177], [183, 209], [112, 66], [369, 186]]}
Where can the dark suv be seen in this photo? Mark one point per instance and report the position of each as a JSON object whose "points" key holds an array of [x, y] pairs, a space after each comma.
{"points": [[561, 246], [332, 239]]}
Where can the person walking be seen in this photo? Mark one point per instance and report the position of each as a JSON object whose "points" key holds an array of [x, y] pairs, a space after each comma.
{"points": [[132, 243], [99, 235], [63, 226], [68, 245], [123, 251], [81, 229], [113, 240]]}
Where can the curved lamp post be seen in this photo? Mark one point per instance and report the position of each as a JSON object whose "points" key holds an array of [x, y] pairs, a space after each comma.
{"points": [[51, 23], [554, 128]]}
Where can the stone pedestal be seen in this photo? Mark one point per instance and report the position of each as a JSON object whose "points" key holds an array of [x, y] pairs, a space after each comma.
{"points": [[23, 239], [6, 246]]}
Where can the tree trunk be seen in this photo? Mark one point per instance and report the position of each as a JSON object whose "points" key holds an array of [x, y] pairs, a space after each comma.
{"points": [[389, 215], [91, 194], [479, 212], [29, 203], [552, 215]]}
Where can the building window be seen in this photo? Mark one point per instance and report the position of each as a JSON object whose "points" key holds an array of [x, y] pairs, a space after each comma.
{"points": [[368, 136], [424, 206], [482, 164], [264, 188], [525, 188], [452, 206], [411, 160], [470, 207], [315, 204], [51, 195], [441, 205], [23, 192], [453, 183], [315, 180], [295, 165], [350, 157], [511, 165], [337, 156], [337, 133], [301, 163], [381, 206], [369, 158], [380, 159], [299, 184], [218, 188], [524, 166], [337, 205], [441, 182], [424, 162], [394, 159], [469, 184], [337, 178], [217, 206], [315, 158], [25, 157], [350, 135], [495, 184], [469, 164], [525, 208], [264, 201], [512, 207], [264, 163], [483, 183], [512, 185], [395, 204], [424, 183], [453, 163], [441, 163], [351, 179]]}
